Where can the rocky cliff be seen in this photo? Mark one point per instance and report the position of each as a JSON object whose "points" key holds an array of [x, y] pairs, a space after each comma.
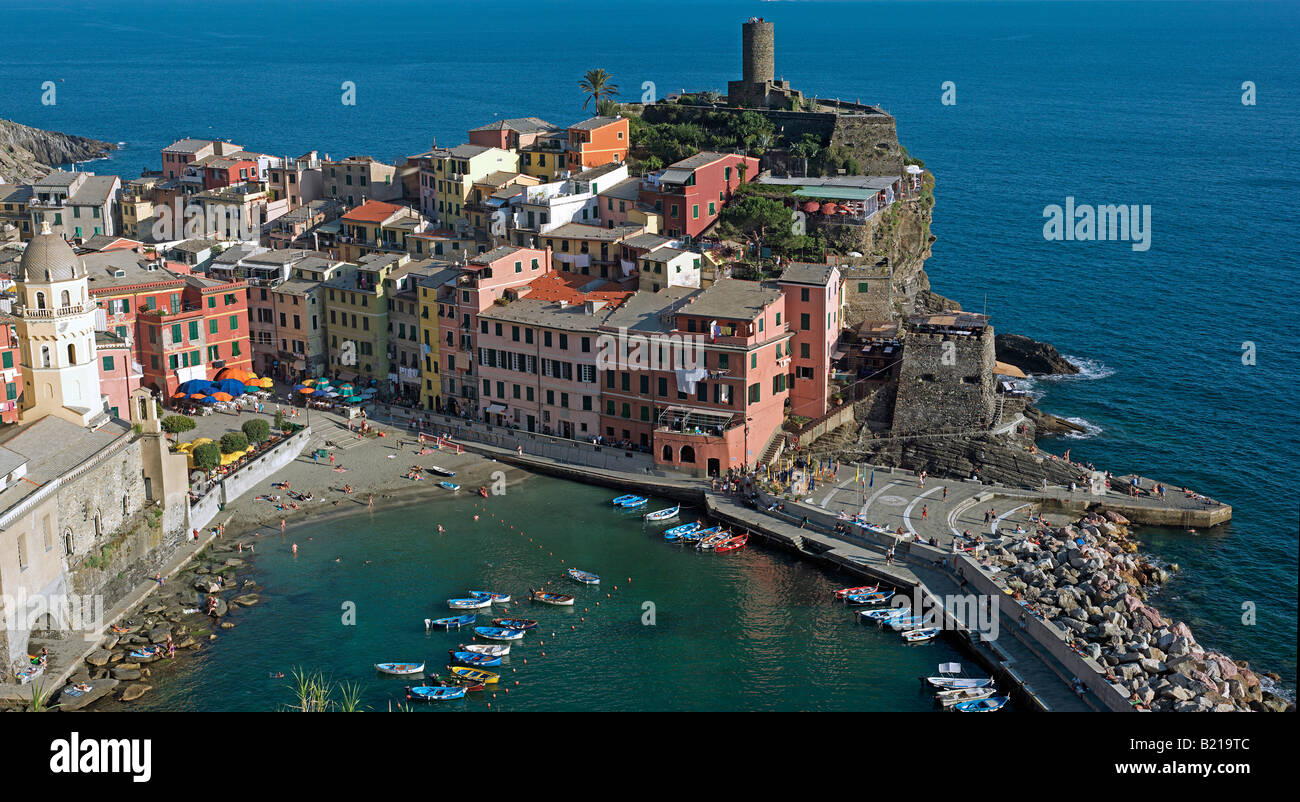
{"points": [[1031, 356], [28, 153]]}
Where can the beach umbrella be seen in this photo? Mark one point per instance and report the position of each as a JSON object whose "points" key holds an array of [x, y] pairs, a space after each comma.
{"points": [[265, 383], [198, 396], [811, 206], [232, 387], [226, 459], [209, 400], [369, 392], [223, 396], [306, 391], [309, 381], [319, 394], [198, 441], [195, 386], [331, 394]]}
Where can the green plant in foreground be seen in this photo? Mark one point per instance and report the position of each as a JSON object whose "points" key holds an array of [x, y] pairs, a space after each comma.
{"points": [[315, 694], [41, 698]]}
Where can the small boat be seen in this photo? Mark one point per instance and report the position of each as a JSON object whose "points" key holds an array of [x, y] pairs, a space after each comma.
{"points": [[497, 598], [950, 678], [557, 599], [454, 621], [438, 470], [515, 623], [474, 659], [663, 515], [498, 633], [473, 603], [697, 535], [435, 693], [839, 594], [886, 614], [473, 674], [956, 695], [678, 531], [455, 681], [585, 577], [870, 598], [731, 544], [482, 491], [618, 502], [712, 540], [981, 705], [635, 503], [493, 649], [400, 669], [904, 622], [919, 635], [449, 486]]}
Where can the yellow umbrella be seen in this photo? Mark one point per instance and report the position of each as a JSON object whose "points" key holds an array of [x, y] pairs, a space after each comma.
{"points": [[184, 447], [226, 459], [265, 383], [198, 441]]}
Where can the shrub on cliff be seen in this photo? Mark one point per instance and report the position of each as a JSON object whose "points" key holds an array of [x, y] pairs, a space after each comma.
{"points": [[232, 442], [207, 456], [175, 424], [256, 430]]}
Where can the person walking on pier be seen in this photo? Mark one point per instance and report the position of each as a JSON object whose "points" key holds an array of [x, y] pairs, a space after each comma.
{"points": [[925, 512]]}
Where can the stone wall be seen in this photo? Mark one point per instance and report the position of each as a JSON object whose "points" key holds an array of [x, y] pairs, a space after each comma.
{"points": [[946, 383], [262, 468]]}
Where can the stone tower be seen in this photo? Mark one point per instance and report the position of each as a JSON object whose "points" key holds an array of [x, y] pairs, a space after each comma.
{"points": [[758, 42], [55, 320]]}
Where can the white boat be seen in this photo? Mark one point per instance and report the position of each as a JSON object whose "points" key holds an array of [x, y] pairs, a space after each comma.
{"points": [[952, 697], [663, 515], [400, 669], [497, 598], [475, 603], [491, 649], [950, 678], [919, 635]]}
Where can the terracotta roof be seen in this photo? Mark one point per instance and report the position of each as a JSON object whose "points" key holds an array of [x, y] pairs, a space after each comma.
{"points": [[373, 211], [576, 288]]}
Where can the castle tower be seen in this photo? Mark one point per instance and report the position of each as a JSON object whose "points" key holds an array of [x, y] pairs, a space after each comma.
{"points": [[758, 51], [55, 321]]}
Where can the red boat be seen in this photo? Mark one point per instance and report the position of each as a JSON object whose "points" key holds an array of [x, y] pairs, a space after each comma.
{"points": [[856, 591], [482, 491], [732, 543]]}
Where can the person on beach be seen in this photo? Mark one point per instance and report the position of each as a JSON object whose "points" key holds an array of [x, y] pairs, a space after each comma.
{"points": [[945, 493]]}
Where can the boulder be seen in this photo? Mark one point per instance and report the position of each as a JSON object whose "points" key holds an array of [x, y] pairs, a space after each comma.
{"points": [[159, 634], [98, 688], [126, 673], [98, 658], [247, 600], [134, 691]]}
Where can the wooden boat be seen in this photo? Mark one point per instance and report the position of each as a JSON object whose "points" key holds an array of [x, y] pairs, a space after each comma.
{"points": [[498, 633], [454, 681], [870, 598], [400, 669], [731, 544], [493, 649], [712, 540], [988, 705], [635, 503], [474, 659], [454, 621], [618, 502], [497, 598], [904, 622], [956, 695], [665, 514], [557, 599], [696, 535], [886, 614], [919, 635], [438, 470], [678, 531], [474, 674], [473, 603], [515, 623], [585, 577], [860, 589], [449, 486], [950, 678], [435, 693]]}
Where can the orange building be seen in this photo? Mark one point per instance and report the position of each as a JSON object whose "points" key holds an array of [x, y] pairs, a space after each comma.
{"points": [[598, 141]]}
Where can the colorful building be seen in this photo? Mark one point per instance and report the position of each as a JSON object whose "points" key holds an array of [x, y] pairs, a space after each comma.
{"points": [[814, 304], [690, 194], [597, 141]]}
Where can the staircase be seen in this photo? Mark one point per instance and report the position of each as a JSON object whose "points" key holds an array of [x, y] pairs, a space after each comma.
{"points": [[775, 447]]}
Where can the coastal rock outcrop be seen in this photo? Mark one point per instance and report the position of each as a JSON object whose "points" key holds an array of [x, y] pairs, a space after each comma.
{"points": [[27, 153], [1031, 356]]}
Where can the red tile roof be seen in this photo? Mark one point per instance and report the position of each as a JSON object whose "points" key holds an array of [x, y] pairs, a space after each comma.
{"points": [[373, 211], [562, 286]]}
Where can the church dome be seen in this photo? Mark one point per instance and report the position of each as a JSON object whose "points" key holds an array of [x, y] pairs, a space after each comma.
{"points": [[49, 258]]}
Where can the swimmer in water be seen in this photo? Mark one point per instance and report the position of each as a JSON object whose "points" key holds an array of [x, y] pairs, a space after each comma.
{"points": [[440, 529], [476, 517]]}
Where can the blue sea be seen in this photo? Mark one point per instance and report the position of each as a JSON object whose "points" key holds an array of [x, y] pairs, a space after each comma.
{"points": [[1105, 102]]}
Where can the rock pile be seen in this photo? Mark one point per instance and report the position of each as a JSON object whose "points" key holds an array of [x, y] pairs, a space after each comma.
{"points": [[1089, 579]]}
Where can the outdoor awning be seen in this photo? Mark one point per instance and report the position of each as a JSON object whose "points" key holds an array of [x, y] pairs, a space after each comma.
{"points": [[839, 352], [496, 409], [1003, 369]]}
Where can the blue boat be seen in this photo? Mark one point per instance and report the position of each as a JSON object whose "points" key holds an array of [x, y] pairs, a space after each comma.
{"points": [[634, 503], [678, 531], [585, 577], [886, 614], [700, 534], [981, 705], [434, 693], [449, 486], [515, 623], [497, 598], [618, 502], [454, 621], [870, 598], [499, 633], [474, 658], [473, 603], [399, 668]]}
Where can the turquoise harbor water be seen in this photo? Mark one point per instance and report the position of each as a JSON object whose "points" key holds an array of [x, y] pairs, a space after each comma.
{"points": [[1108, 102], [747, 630]]}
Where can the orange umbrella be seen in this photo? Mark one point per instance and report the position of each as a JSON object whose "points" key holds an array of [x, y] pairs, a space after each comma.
{"points": [[198, 396], [179, 395], [223, 396], [306, 391]]}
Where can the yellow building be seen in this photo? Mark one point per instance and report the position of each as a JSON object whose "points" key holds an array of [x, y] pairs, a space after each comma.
{"points": [[454, 171], [430, 377]]}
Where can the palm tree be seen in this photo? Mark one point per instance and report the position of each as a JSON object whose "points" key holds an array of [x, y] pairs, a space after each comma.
{"points": [[596, 84]]}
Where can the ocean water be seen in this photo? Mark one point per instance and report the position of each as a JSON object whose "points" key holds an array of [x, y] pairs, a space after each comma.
{"points": [[745, 630], [1106, 102]]}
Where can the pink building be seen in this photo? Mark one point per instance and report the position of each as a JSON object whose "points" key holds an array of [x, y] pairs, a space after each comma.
{"points": [[813, 300], [119, 372], [480, 285]]}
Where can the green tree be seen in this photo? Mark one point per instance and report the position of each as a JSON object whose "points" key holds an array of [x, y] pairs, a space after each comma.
{"points": [[232, 442], [807, 149], [279, 419], [207, 456], [596, 85], [256, 430], [175, 424]]}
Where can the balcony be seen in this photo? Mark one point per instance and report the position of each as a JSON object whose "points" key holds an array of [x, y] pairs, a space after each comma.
{"points": [[62, 311], [697, 422]]}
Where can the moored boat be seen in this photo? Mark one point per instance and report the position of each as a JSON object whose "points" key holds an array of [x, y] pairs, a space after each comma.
{"points": [[474, 674], [950, 677], [887, 614], [497, 598], [618, 502], [870, 598], [498, 633], [449, 486], [435, 693], [399, 669], [557, 599], [919, 635], [474, 659], [904, 622], [678, 531], [957, 695], [457, 681], [839, 594], [472, 603], [635, 502], [988, 705], [585, 577], [453, 621], [665, 514], [438, 470], [732, 543], [515, 623], [709, 541], [493, 649]]}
